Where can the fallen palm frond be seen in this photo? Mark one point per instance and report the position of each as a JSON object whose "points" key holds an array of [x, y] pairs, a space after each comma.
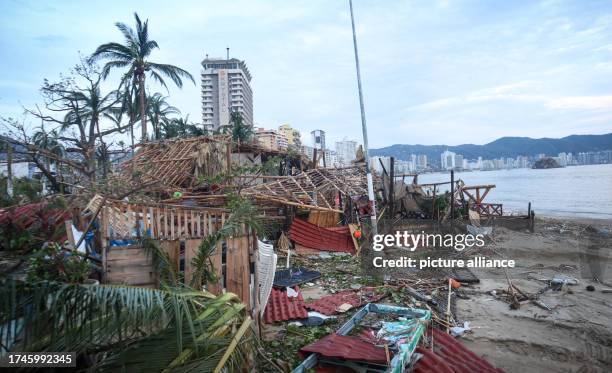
{"points": [[125, 328]]}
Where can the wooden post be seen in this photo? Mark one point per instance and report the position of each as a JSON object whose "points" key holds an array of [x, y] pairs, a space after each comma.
{"points": [[529, 209], [314, 156], [452, 206], [391, 186], [228, 156]]}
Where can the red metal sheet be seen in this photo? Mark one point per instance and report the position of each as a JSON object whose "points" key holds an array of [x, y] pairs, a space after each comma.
{"points": [[311, 236], [451, 356], [282, 308], [329, 304], [36, 214], [346, 348]]}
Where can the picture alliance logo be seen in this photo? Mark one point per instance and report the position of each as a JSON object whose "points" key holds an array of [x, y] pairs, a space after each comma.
{"points": [[413, 241]]}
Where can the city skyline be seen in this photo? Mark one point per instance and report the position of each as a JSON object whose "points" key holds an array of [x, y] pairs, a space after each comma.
{"points": [[512, 73]]}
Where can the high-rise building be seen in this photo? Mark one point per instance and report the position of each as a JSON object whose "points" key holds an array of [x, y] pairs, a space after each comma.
{"points": [[447, 160], [318, 139], [225, 88], [267, 138], [292, 135], [458, 161], [421, 163], [347, 151], [270, 139]]}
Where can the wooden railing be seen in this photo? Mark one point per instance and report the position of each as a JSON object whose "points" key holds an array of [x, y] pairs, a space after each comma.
{"points": [[163, 222]]}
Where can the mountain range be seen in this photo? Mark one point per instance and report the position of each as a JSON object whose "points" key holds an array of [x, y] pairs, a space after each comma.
{"points": [[503, 147]]}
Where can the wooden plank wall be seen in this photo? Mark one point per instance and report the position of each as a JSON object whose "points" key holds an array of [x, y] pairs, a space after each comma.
{"points": [[237, 268], [324, 219], [130, 265], [170, 225], [173, 249]]}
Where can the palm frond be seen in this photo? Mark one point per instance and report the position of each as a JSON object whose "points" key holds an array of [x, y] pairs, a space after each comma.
{"points": [[173, 72], [123, 327]]}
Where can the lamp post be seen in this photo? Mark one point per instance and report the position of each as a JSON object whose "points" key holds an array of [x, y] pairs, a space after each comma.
{"points": [[365, 129]]}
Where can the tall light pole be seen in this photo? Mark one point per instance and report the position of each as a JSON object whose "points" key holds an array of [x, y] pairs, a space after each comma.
{"points": [[365, 129]]}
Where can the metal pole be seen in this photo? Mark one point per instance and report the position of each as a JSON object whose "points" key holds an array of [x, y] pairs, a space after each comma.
{"points": [[364, 128], [452, 199]]}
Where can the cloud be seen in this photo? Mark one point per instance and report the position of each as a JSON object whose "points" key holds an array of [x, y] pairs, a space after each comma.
{"points": [[581, 102], [533, 68]]}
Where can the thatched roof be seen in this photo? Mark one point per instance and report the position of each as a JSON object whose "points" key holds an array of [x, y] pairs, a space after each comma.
{"points": [[178, 162]]}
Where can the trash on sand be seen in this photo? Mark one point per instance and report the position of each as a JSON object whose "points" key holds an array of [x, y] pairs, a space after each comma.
{"points": [[456, 331], [464, 275], [455, 284], [476, 231], [563, 280]]}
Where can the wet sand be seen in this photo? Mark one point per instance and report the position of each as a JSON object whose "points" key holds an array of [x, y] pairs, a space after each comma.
{"points": [[576, 336]]}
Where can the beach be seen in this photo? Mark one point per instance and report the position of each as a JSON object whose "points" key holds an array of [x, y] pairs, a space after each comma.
{"points": [[576, 335]]}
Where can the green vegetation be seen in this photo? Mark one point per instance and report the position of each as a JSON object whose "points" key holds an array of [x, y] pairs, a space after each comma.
{"points": [[120, 328], [133, 56], [51, 263], [25, 190]]}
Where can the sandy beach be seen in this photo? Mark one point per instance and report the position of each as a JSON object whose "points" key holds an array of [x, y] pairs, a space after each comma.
{"points": [[576, 335]]}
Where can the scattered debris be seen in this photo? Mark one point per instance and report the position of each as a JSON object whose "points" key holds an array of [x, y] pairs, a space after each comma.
{"points": [[294, 276], [344, 300], [281, 307], [392, 348], [449, 355]]}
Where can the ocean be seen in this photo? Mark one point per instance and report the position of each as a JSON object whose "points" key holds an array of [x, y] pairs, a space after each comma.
{"points": [[577, 191]]}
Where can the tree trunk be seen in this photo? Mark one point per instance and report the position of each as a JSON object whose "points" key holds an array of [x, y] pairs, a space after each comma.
{"points": [[143, 117]]}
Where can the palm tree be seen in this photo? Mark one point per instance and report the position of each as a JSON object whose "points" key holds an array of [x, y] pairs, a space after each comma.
{"points": [[180, 127], [240, 131], [134, 55], [158, 111]]}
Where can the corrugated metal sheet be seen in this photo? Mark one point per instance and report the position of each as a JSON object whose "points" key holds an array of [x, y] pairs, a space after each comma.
{"points": [[282, 308], [311, 236], [329, 304], [346, 348], [451, 356], [36, 215]]}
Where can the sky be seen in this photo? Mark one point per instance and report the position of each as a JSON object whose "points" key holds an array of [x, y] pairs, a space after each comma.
{"points": [[434, 72]]}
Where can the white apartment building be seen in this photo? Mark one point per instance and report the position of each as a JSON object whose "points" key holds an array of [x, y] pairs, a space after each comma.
{"points": [[346, 151], [225, 88], [447, 160]]}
